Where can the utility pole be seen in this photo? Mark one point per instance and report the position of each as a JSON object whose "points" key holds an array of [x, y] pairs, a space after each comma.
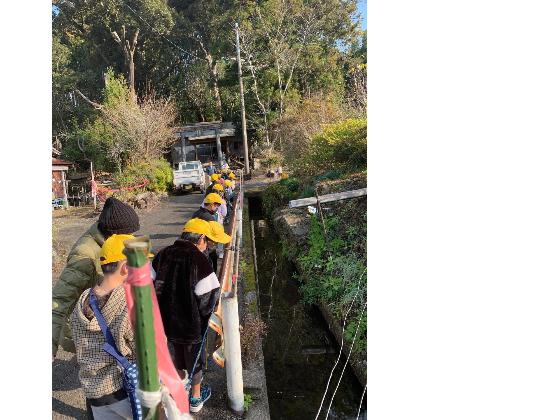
{"points": [[243, 123]]}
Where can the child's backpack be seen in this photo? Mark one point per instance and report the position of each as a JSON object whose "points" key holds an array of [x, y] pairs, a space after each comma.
{"points": [[130, 370]]}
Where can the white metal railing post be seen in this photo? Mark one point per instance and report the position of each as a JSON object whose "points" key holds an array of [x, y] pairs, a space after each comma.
{"points": [[232, 350], [230, 324]]}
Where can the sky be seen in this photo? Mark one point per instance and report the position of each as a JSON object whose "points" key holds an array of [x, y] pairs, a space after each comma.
{"points": [[362, 9]]}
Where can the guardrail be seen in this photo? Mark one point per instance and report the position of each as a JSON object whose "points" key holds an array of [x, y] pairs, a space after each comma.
{"points": [[228, 308]]}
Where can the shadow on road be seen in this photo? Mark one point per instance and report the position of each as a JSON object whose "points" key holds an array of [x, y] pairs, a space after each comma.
{"points": [[67, 410]]}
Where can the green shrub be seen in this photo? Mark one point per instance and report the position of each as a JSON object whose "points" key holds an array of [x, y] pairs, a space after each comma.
{"points": [[276, 196], [333, 273], [329, 176], [247, 401], [158, 173], [308, 191], [293, 184], [360, 340], [340, 147]]}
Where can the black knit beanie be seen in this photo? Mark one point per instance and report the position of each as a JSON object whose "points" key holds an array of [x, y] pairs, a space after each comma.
{"points": [[118, 217]]}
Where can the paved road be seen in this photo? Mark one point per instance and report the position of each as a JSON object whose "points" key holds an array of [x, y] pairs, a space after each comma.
{"points": [[164, 224]]}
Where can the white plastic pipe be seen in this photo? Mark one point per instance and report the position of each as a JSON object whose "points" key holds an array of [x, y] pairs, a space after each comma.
{"points": [[230, 325], [232, 349]]}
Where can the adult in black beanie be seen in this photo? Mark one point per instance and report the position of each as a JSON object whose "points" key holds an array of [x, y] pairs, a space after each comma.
{"points": [[117, 218]]}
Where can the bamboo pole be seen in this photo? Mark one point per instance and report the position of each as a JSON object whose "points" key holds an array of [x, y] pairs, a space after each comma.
{"points": [[136, 251]]}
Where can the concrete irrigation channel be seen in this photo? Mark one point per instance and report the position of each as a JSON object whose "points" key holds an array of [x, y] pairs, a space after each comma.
{"points": [[299, 348]]}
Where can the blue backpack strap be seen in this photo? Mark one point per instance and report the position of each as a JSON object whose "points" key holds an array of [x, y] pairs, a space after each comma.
{"points": [[109, 346]]}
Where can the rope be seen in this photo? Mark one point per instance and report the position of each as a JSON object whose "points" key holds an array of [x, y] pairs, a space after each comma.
{"points": [[341, 344], [170, 407], [347, 360], [199, 352], [148, 399], [110, 190]]}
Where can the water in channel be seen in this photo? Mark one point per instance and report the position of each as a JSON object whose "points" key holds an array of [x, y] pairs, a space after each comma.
{"points": [[299, 350]]}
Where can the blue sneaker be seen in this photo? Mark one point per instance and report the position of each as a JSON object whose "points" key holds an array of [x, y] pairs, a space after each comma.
{"points": [[197, 403]]}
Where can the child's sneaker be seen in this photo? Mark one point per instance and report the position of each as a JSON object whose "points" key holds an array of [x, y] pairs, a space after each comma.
{"points": [[198, 403]]}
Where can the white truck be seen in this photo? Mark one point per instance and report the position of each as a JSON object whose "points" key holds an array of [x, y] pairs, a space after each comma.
{"points": [[190, 175]]}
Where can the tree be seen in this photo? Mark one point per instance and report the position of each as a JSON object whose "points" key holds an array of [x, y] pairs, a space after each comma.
{"points": [[293, 50], [128, 131], [293, 131], [128, 48], [206, 24]]}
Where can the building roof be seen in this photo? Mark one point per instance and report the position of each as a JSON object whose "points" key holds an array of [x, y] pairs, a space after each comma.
{"points": [[60, 162]]}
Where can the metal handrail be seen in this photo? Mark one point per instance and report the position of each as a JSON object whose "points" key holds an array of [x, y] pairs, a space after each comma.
{"points": [[228, 307]]}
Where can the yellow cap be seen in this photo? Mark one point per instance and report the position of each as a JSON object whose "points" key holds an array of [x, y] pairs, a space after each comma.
{"points": [[218, 187], [113, 249], [214, 177], [217, 233], [232, 175], [228, 183], [213, 198], [197, 226]]}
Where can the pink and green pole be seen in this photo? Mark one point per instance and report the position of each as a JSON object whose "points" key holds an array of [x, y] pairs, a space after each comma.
{"points": [[137, 251]]}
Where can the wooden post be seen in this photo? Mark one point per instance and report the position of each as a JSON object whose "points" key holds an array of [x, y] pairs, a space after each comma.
{"points": [[183, 153], [93, 193], [64, 191], [218, 146], [243, 123]]}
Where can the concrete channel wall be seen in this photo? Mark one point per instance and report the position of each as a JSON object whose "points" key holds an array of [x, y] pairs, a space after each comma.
{"points": [[292, 225], [254, 378]]}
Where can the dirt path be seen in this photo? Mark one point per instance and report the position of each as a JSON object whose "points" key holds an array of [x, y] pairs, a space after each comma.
{"points": [[164, 224]]}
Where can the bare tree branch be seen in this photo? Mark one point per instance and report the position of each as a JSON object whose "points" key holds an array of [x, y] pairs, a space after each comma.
{"points": [[93, 104]]}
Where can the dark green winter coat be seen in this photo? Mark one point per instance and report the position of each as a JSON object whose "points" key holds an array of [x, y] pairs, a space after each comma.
{"points": [[83, 270]]}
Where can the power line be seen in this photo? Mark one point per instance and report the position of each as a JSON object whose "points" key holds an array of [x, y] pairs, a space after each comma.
{"points": [[361, 400], [347, 360], [153, 29], [341, 344]]}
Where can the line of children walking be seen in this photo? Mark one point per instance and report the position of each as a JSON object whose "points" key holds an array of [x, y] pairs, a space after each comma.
{"points": [[187, 290]]}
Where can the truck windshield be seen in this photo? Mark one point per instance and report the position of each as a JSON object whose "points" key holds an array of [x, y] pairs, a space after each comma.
{"points": [[188, 166]]}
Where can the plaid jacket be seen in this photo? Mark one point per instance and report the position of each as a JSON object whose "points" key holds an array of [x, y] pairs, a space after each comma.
{"points": [[99, 372], [82, 270]]}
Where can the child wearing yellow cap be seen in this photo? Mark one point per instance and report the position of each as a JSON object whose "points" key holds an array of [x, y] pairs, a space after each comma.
{"points": [[222, 209], [209, 212], [99, 372], [214, 180], [187, 290]]}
